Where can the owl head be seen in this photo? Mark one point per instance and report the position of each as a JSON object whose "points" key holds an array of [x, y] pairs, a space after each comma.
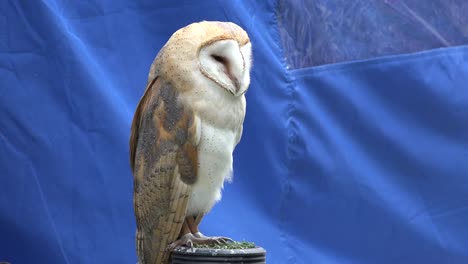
{"points": [[210, 53]]}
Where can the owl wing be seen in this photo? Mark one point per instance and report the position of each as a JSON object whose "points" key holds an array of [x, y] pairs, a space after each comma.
{"points": [[163, 157]]}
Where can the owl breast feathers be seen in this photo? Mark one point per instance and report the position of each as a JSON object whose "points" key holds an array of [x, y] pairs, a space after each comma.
{"points": [[184, 132]]}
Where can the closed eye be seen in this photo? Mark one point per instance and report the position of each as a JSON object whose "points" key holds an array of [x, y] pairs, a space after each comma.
{"points": [[219, 59]]}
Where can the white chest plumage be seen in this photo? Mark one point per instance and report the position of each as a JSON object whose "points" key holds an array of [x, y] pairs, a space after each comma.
{"points": [[221, 120], [215, 166]]}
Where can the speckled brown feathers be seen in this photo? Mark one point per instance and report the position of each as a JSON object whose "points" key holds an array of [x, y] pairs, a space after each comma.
{"points": [[164, 162]]}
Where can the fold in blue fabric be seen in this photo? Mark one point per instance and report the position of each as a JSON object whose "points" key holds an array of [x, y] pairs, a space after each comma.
{"points": [[362, 162], [378, 152]]}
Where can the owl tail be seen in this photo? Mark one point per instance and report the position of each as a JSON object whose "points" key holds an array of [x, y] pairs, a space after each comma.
{"points": [[146, 253]]}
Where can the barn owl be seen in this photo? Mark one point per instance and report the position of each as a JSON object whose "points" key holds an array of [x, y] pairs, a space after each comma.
{"points": [[184, 131]]}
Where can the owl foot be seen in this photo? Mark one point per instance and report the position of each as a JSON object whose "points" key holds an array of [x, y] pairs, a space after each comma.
{"points": [[185, 241], [190, 240], [214, 240]]}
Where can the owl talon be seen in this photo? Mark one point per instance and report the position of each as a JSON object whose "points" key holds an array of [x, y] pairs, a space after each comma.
{"points": [[227, 240], [189, 240], [214, 241], [200, 235], [185, 241], [202, 239]]}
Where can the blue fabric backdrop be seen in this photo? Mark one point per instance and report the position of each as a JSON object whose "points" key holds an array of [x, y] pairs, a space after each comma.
{"points": [[358, 162]]}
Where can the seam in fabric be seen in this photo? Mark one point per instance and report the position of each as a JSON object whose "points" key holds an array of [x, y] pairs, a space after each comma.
{"points": [[291, 133]]}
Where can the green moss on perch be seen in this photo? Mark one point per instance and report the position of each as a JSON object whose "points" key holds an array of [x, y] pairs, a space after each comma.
{"points": [[233, 245]]}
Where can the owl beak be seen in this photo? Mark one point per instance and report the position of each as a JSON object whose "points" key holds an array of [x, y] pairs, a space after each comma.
{"points": [[236, 83], [235, 88]]}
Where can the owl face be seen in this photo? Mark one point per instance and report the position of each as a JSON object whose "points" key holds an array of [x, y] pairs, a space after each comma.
{"points": [[227, 63]]}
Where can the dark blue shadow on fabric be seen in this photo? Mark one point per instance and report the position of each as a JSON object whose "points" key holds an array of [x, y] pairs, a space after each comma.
{"points": [[362, 162]]}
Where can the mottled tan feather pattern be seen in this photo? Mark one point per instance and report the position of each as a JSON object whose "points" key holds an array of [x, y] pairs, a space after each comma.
{"points": [[161, 146], [141, 108]]}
